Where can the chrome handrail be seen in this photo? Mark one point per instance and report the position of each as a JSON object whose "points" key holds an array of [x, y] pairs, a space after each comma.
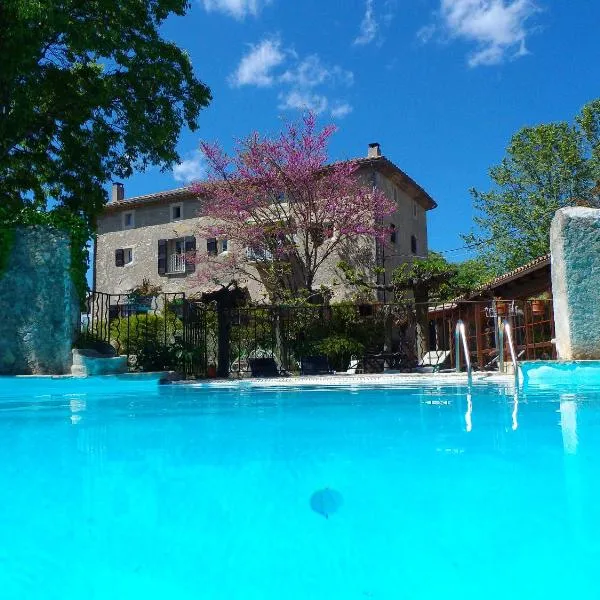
{"points": [[505, 329], [460, 333]]}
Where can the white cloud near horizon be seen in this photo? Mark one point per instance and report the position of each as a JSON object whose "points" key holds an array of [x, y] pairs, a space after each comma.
{"points": [[238, 9], [498, 28], [304, 83], [256, 67], [190, 169], [368, 26]]}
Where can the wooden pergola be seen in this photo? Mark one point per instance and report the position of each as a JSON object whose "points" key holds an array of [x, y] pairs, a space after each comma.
{"points": [[514, 296]]}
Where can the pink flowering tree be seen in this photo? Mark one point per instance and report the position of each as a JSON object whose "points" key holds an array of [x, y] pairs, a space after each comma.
{"points": [[284, 211]]}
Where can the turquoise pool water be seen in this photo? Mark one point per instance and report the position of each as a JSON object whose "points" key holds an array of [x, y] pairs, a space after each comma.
{"points": [[175, 492]]}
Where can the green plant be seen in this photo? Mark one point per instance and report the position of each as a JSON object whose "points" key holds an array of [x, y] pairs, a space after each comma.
{"points": [[129, 335], [339, 349], [543, 296], [145, 290]]}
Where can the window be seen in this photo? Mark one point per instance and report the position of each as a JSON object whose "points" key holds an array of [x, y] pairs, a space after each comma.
{"points": [[129, 219], [414, 210], [224, 245], [176, 251], [258, 254], [211, 246], [176, 211], [176, 255], [123, 256], [393, 234], [413, 244]]}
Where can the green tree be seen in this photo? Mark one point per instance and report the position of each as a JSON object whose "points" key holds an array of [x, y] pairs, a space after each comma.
{"points": [[469, 275], [546, 167], [428, 278], [431, 279], [89, 91]]}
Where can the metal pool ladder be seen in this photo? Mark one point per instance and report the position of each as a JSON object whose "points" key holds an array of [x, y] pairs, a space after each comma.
{"points": [[460, 334], [506, 331]]}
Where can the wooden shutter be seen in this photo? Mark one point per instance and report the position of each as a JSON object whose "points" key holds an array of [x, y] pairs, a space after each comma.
{"points": [[190, 253], [162, 257], [211, 246], [119, 257]]}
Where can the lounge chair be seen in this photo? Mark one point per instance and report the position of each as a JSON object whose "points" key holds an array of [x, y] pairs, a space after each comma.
{"points": [[315, 365], [353, 366], [264, 367], [434, 361]]}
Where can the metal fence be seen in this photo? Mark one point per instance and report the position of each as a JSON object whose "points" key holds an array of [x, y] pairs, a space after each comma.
{"points": [[172, 332], [161, 332]]}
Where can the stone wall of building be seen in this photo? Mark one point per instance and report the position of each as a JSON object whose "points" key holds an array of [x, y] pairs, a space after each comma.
{"points": [[152, 223], [575, 246], [38, 305]]}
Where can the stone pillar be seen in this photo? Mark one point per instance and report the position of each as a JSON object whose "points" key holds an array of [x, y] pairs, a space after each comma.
{"points": [[39, 309], [575, 246]]}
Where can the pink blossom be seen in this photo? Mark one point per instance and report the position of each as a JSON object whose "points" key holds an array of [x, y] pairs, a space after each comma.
{"points": [[280, 196]]}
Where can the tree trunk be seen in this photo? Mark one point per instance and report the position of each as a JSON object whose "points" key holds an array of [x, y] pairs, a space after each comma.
{"points": [[422, 323]]}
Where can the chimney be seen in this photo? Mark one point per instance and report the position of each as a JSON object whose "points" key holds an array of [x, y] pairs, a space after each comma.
{"points": [[118, 192], [374, 150]]}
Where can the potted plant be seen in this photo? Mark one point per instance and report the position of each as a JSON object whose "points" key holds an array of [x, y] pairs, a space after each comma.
{"points": [[140, 298], [539, 303], [501, 307]]}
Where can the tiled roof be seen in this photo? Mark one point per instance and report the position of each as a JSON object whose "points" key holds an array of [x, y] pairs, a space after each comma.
{"points": [[380, 162], [534, 265]]}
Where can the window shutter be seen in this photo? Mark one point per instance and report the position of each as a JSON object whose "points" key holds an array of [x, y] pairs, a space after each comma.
{"points": [[211, 246], [162, 257], [119, 257], [190, 253]]}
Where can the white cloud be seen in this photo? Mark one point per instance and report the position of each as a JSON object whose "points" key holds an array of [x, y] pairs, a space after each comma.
{"points": [[311, 72], [191, 169], [498, 28], [426, 33], [235, 8], [301, 100], [256, 67], [304, 83], [341, 110], [368, 26]]}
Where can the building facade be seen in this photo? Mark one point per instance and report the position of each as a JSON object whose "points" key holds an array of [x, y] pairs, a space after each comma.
{"points": [[149, 237]]}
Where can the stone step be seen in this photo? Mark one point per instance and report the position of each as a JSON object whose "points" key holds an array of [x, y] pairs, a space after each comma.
{"points": [[89, 362]]}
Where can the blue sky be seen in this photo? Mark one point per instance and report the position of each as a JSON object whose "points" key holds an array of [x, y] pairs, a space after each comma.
{"points": [[441, 84]]}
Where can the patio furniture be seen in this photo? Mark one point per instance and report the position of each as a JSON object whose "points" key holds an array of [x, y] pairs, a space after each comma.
{"points": [[264, 367], [315, 365], [434, 361]]}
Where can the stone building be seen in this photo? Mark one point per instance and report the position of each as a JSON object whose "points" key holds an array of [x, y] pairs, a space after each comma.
{"points": [[147, 237]]}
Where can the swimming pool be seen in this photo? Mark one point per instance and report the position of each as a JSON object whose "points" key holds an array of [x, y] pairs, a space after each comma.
{"points": [[114, 491]]}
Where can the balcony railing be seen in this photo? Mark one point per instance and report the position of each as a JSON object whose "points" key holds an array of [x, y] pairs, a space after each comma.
{"points": [[177, 263]]}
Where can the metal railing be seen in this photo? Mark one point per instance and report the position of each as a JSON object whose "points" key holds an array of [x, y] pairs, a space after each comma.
{"points": [[460, 337], [505, 333], [176, 263], [374, 337]]}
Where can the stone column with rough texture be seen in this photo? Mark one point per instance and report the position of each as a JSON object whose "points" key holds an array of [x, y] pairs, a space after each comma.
{"points": [[39, 310], [575, 247]]}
